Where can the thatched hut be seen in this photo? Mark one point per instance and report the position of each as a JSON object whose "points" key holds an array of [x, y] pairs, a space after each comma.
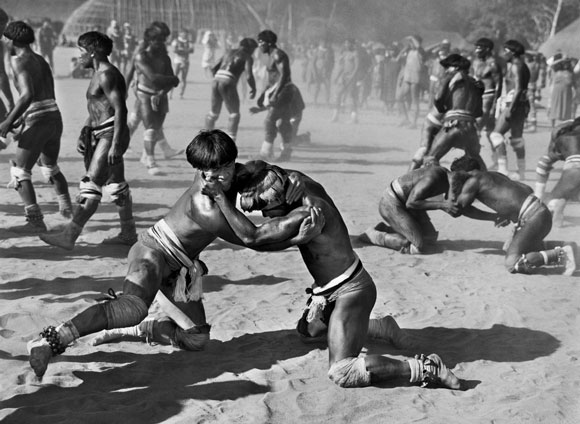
{"points": [[225, 16]]}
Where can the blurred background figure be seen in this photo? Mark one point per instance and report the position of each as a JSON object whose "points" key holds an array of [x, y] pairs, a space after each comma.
{"points": [[208, 59]]}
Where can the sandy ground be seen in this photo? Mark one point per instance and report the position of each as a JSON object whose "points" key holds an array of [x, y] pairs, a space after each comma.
{"points": [[513, 339]]}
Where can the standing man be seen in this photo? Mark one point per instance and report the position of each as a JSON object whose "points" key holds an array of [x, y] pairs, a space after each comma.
{"points": [[513, 110], [155, 78], [485, 68], [459, 99], [347, 78], [224, 86], [564, 145], [39, 137], [279, 98], [103, 142], [47, 42], [342, 294], [411, 79], [182, 48]]}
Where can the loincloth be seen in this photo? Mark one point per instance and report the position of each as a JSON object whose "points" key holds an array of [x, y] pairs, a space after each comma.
{"points": [[146, 94], [90, 137], [398, 192], [531, 206], [224, 76], [188, 286], [40, 110], [435, 119], [457, 117]]}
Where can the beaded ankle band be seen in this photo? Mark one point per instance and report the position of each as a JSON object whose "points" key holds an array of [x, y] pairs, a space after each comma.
{"points": [[52, 337]]}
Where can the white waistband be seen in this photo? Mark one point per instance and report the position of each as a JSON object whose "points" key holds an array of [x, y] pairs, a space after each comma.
{"points": [[316, 290]]}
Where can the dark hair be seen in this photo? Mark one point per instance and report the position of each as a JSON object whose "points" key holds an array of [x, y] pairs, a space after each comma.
{"points": [[485, 42], [268, 36], [458, 179], [260, 184], [456, 60], [94, 41], [515, 47], [211, 150], [162, 26], [19, 32], [465, 163], [249, 43]]}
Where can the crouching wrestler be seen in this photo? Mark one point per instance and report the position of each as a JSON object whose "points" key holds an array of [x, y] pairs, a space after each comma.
{"points": [[172, 247], [342, 291], [513, 202]]}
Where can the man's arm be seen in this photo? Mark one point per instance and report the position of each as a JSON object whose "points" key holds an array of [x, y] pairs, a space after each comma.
{"points": [[497, 76], [164, 81], [25, 85], [4, 81], [250, 76], [426, 188], [112, 87], [518, 88], [441, 95], [283, 65]]}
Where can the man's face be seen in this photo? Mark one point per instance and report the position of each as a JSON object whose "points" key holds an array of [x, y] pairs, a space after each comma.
{"points": [[157, 43], [481, 51], [85, 59], [508, 54], [224, 175], [264, 47]]}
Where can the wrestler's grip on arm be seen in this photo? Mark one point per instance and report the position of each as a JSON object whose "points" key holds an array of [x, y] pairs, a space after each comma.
{"points": [[310, 227]]}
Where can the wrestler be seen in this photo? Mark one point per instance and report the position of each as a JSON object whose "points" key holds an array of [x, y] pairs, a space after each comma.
{"points": [[103, 141], [165, 258], [347, 77], [155, 78], [4, 80], [224, 86], [431, 127], [513, 202], [564, 145], [280, 98], [403, 206], [485, 68], [459, 99], [37, 113], [343, 293], [182, 48], [513, 109]]}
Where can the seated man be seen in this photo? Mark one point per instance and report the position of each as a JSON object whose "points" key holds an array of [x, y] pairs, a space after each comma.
{"points": [[165, 259], [403, 206], [513, 202], [343, 293], [564, 145]]}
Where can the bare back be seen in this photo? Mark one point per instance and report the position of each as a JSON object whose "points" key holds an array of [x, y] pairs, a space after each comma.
{"points": [[235, 62], [32, 70], [329, 254]]}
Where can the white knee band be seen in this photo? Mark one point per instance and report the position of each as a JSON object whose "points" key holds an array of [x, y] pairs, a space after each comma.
{"points": [[517, 143], [420, 154], [150, 135], [117, 191], [496, 139], [18, 175], [350, 372], [89, 190], [125, 311], [192, 339], [49, 171]]}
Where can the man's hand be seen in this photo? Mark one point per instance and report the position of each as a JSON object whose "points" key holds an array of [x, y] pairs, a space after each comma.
{"points": [[81, 146], [155, 102], [452, 209], [295, 189], [252, 93], [5, 127], [311, 226], [501, 221], [115, 155], [213, 190]]}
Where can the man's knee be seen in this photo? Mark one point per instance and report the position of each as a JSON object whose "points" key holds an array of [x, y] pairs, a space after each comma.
{"points": [[125, 311], [88, 189], [496, 139], [49, 171], [350, 372], [18, 175], [150, 134], [120, 193]]}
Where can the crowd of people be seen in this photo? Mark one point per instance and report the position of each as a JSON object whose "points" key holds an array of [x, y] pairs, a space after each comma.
{"points": [[467, 97]]}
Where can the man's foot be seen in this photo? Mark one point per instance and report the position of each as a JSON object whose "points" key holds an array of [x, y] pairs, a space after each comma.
{"points": [[153, 169], [59, 239], [121, 239], [436, 373], [568, 259], [40, 354], [30, 228]]}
